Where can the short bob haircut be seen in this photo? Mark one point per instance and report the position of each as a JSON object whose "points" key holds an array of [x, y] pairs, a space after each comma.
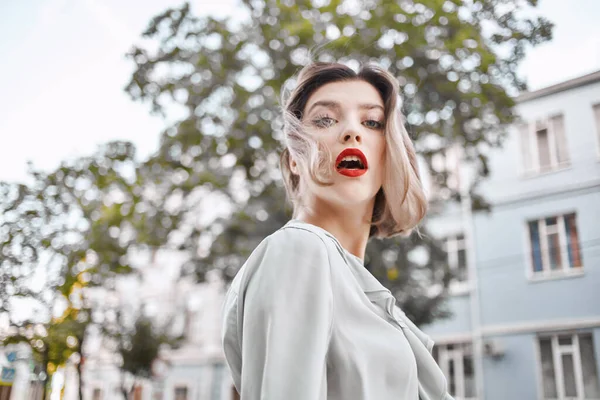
{"points": [[401, 203]]}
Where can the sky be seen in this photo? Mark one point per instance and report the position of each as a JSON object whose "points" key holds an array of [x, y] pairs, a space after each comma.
{"points": [[63, 70]]}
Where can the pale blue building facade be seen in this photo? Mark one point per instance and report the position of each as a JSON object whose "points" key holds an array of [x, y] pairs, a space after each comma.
{"points": [[526, 321]]}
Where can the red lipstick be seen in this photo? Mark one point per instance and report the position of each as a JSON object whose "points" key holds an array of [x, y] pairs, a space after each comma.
{"points": [[352, 172]]}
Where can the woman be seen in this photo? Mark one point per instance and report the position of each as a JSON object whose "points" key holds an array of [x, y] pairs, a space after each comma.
{"points": [[303, 318]]}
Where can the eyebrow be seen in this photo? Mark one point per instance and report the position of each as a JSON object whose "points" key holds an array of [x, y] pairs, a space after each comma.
{"points": [[335, 105]]}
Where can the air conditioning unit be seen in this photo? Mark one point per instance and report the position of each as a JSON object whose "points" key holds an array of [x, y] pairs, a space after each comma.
{"points": [[493, 348]]}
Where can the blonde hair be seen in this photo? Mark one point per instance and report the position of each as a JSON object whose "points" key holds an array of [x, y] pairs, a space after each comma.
{"points": [[401, 203]]}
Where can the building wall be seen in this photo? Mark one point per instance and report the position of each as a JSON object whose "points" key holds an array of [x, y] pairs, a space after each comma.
{"points": [[514, 306], [458, 324], [508, 295], [513, 376], [506, 181], [197, 378], [198, 365], [105, 378], [203, 380], [446, 224]]}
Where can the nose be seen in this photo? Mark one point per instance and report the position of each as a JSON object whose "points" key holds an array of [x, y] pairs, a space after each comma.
{"points": [[350, 133]]}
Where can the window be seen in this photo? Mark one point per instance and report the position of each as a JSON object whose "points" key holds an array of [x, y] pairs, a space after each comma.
{"points": [[596, 109], [97, 394], [456, 361], [568, 367], [181, 393], [445, 165], [555, 247], [544, 145], [456, 249]]}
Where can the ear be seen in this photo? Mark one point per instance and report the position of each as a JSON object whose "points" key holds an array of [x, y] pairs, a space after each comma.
{"points": [[294, 166]]}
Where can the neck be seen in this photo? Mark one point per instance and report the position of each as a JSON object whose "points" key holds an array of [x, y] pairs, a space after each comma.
{"points": [[349, 226]]}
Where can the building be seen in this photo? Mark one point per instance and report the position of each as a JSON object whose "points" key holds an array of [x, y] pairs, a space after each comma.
{"points": [[18, 378], [525, 299], [194, 371]]}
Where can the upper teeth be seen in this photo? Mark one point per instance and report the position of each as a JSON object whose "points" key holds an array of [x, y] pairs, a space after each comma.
{"points": [[351, 158]]}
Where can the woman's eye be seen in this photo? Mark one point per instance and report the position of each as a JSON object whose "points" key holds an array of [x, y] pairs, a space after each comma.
{"points": [[324, 122], [373, 124]]}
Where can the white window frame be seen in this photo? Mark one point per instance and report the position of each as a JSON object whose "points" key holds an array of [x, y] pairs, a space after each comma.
{"points": [[596, 116], [457, 355], [558, 350], [534, 153], [448, 161], [567, 269], [455, 287], [452, 245]]}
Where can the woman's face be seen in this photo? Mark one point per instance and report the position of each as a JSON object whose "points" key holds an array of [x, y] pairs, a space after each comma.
{"points": [[348, 117]]}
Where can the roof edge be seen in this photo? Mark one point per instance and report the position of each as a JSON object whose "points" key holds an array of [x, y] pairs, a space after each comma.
{"points": [[559, 87]]}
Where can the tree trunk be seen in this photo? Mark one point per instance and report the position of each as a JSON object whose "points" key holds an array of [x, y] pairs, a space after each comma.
{"points": [[80, 367], [80, 379], [46, 380], [45, 388]]}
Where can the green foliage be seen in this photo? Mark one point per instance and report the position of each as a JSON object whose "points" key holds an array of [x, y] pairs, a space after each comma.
{"points": [[456, 62], [66, 231], [138, 343], [52, 343], [140, 348], [73, 222]]}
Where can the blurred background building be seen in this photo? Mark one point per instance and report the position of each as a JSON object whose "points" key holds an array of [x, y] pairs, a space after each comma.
{"points": [[195, 369], [525, 297]]}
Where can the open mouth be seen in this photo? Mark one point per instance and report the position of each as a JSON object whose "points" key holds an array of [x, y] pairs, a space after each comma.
{"points": [[351, 162]]}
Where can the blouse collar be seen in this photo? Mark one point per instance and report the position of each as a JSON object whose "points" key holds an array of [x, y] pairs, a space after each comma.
{"points": [[366, 280]]}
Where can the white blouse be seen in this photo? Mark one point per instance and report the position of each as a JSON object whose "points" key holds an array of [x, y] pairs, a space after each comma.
{"points": [[304, 319]]}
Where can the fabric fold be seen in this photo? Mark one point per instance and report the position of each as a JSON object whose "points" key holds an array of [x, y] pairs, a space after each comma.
{"points": [[432, 383]]}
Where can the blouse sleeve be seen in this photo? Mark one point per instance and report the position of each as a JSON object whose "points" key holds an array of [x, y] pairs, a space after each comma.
{"points": [[287, 319]]}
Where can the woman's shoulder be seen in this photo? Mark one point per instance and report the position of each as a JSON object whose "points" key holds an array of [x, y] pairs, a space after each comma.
{"points": [[283, 252], [290, 240], [298, 236], [290, 246]]}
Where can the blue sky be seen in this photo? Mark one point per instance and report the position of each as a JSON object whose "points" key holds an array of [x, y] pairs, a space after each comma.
{"points": [[63, 71]]}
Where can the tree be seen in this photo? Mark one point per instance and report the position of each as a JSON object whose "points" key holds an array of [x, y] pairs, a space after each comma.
{"points": [[52, 343], [28, 224], [456, 62], [63, 233], [138, 344]]}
